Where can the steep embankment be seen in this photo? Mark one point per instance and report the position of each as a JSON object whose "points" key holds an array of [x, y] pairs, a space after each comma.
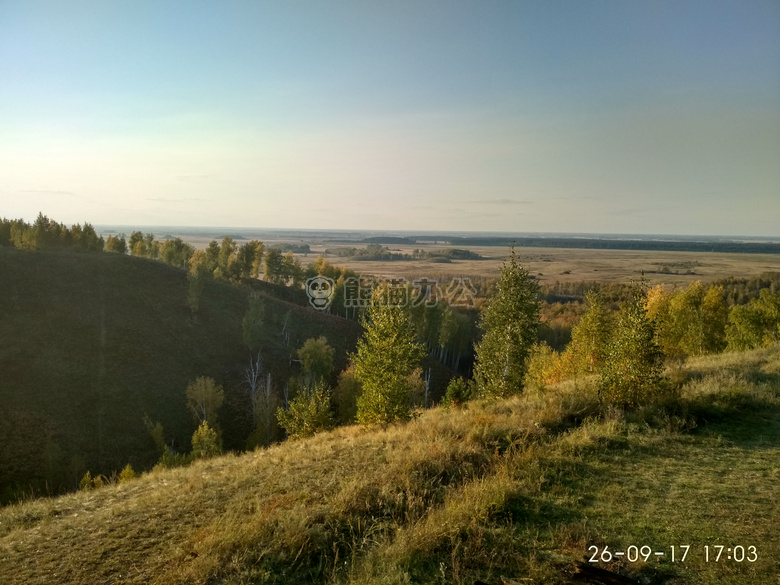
{"points": [[520, 488], [90, 343]]}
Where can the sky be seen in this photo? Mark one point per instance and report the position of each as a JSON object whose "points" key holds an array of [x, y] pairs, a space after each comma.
{"points": [[578, 116]]}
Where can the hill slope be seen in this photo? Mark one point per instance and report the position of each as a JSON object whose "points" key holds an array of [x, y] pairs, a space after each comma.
{"points": [[92, 343], [520, 487]]}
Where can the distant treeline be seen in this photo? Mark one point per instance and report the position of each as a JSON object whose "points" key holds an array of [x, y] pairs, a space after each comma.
{"points": [[379, 252], [737, 291], [46, 233], [594, 243]]}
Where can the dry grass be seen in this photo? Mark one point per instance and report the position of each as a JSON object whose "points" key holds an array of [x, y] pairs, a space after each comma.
{"points": [[574, 265], [518, 487]]}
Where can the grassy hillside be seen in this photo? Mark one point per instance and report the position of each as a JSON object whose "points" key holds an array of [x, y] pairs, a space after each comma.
{"points": [[91, 343], [518, 488]]}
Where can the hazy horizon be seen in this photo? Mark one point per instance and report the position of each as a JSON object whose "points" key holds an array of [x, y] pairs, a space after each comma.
{"points": [[653, 118], [249, 232]]}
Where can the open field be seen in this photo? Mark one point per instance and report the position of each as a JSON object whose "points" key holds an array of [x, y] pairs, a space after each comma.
{"points": [[570, 265], [554, 264], [521, 487]]}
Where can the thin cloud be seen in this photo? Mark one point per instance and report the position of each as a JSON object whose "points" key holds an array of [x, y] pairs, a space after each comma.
{"points": [[632, 211], [169, 200], [501, 202], [578, 198], [49, 192]]}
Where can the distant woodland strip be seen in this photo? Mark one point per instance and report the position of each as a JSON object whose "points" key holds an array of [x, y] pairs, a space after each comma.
{"points": [[596, 244]]}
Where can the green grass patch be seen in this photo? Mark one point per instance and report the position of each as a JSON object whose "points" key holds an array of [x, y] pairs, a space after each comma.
{"points": [[520, 487]]}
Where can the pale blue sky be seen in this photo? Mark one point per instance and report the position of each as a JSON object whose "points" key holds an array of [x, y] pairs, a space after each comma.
{"points": [[571, 116]]}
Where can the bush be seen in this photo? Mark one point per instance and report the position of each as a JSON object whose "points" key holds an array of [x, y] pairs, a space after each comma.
{"points": [[170, 459], [345, 396], [542, 367], [458, 392], [127, 474], [205, 442], [308, 413], [86, 482]]}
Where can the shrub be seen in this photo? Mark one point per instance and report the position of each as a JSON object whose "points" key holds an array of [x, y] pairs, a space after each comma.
{"points": [[458, 392], [170, 459], [308, 413], [542, 366], [86, 482], [205, 442], [345, 396], [127, 474]]}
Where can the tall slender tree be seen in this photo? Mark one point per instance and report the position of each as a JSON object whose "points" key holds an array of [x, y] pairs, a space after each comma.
{"points": [[590, 337], [510, 324], [386, 364], [204, 398]]}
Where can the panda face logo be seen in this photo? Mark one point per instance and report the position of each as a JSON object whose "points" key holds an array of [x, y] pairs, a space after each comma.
{"points": [[320, 291]]}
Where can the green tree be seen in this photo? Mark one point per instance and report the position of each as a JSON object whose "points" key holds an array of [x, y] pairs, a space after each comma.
{"points": [[274, 266], [176, 252], [87, 238], [194, 293], [263, 401], [543, 367], [309, 412], [715, 315], [157, 432], [316, 357], [292, 272], [253, 323], [205, 442], [257, 262], [458, 393], [756, 324], [510, 324], [151, 246], [590, 337], [345, 396], [136, 244], [201, 264], [5, 232], [248, 259], [204, 398], [385, 362], [116, 244], [211, 257], [631, 373], [691, 321], [227, 267]]}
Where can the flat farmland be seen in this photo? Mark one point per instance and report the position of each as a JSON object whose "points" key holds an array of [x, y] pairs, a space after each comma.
{"points": [[574, 264], [546, 264]]}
